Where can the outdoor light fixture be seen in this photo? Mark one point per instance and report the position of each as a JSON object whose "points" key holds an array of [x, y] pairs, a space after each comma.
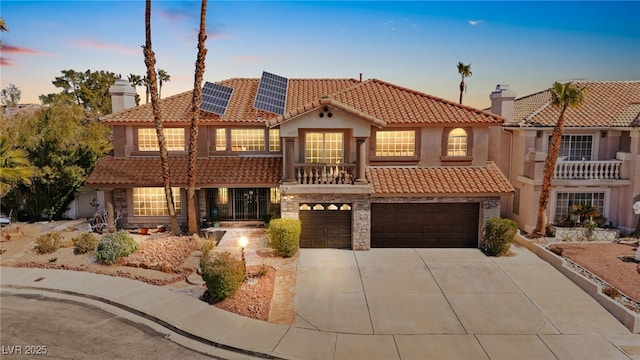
{"points": [[243, 242]]}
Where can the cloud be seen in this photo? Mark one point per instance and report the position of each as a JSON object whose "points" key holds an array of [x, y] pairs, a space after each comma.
{"points": [[475, 22], [99, 45], [9, 49], [6, 61], [174, 15]]}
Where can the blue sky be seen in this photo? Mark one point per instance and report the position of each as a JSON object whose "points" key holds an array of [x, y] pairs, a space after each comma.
{"points": [[415, 44]]}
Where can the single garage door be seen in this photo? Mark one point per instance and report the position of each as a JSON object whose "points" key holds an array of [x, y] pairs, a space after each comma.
{"points": [[424, 225], [325, 226]]}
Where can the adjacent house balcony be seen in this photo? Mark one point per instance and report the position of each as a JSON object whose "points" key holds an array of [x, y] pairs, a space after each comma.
{"points": [[322, 174], [588, 170]]}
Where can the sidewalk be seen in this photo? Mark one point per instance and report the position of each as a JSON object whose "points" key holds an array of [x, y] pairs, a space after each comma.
{"points": [[382, 304]]}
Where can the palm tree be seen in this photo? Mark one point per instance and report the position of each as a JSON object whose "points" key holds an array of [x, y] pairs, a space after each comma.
{"points": [[150, 62], [163, 77], [147, 89], [195, 119], [15, 167], [465, 72], [563, 96], [135, 81], [3, 28]]}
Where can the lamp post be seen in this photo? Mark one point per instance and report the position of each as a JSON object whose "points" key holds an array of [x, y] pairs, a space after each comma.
{"points": [[243, 242]]}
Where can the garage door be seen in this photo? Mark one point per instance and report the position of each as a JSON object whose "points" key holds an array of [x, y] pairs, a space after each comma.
{"points": [[424, 225], [325, 226]]}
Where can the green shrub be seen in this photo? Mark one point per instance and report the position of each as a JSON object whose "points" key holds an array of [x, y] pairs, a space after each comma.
{"points": [[115, 245], [284, 236], [223, 274], [85, 243], [49, 242], [498, 235]]}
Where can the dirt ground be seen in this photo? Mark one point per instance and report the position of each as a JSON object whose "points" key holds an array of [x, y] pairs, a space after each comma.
{"points": [[161, 260]]}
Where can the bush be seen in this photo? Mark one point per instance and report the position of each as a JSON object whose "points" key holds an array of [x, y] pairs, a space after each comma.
{"points": [[498, 235], [284, 236], [223, 274], [49, 242], [85, 243], [115, 245]]}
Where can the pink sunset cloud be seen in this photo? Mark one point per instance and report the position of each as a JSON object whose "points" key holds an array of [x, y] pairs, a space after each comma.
{"points": [[9, 49], [100, 45], [5, 61]]}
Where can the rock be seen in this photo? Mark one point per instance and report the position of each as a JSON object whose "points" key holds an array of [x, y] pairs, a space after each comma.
{"points": [[195, 279]]}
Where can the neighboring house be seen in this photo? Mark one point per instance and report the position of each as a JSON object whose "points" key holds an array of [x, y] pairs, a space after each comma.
{"points": [[599, 162], [361, 163]]}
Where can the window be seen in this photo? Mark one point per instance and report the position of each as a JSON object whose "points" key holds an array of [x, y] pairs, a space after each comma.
{"points": [[223, 196], [247, 140], [221, 139], [275, 195], [565, 200], [575, 147], [457, 143], [148, 141], [324, 147], [516, 202], [396, 143], [274, 139], [152, 201]]}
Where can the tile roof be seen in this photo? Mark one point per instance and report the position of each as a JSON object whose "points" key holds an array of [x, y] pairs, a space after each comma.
{"points": [[378, 101], [456, 180], [607, 104], [212, 172]]}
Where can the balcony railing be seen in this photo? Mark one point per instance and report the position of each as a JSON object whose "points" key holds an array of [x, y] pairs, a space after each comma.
{"points": [[321, 174], [587, 170]]}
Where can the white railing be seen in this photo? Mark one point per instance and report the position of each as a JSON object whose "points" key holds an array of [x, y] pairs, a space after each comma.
{"points": [[587, 170], [316, 174]]}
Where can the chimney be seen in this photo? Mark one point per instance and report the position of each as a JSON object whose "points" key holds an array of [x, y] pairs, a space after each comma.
{"points": [[123, 96], [360, 77], [502, 101]]}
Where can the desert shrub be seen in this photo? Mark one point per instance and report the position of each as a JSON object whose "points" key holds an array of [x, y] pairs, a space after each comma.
{"points": [[85, 243], [284, 236], [498, 235], [49, 242], [611, 292], [223, 274], [207, 246], [556, 250], [115, 245]]}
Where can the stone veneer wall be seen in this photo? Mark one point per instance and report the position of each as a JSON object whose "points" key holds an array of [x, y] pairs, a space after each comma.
{"points": [[360, 213], [120, 204]]}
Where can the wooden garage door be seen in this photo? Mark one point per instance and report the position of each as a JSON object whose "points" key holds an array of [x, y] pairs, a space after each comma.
{"points": [[325, 226], [424, 225]]}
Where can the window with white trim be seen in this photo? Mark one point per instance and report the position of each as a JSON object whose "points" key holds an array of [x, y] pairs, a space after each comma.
{"points": [[324, 147], [396, 143], [565, 200], [575, 147], [247, 139], [151, 201], [457, 142], [148, 140]]}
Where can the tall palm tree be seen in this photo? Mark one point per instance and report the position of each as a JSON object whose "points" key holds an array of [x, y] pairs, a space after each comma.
{"points": [[163, 77], [3, 28], [150, 62], [563, 96], [465, 72], [195, 119], [147, 89], [15, 167], [135, 81]]}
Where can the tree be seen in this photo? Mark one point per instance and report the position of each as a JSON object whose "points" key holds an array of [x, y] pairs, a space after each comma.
{"points": [[135, 81], [465, 72], [15, 167], [3, 28], [89, 89], [145, 82], [163, 77], [196, 99], [563, 96], [10, 96], [150, 62]]}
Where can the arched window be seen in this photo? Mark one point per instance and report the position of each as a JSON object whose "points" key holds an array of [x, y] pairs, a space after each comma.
{"points": [[457, 143]]}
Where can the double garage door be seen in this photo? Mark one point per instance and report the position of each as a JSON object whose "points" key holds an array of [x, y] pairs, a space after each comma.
{"points": [[424, 225]]}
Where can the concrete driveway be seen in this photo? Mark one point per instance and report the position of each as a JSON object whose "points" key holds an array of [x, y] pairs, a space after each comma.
{"points": [[451, 303]]}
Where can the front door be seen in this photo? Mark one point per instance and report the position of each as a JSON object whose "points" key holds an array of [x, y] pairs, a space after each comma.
{"points": [[246, 203]]}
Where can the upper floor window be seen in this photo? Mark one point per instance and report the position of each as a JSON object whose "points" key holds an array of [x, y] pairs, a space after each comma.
{"points": [[575, 147], [396, 143], [247, 140], [221, 139], [152, 201], [457, 143], [274, 139], [148, 141], [324, 147]]}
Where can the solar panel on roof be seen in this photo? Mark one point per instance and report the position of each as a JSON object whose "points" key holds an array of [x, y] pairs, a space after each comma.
{"points": [[272, 93], [215, 98]]}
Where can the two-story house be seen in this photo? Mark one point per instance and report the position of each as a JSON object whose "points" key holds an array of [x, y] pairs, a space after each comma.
{"points": [[599, 162], [361, 163]]}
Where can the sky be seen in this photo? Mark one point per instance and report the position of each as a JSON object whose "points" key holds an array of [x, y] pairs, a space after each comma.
{"points": [[414, 44]]}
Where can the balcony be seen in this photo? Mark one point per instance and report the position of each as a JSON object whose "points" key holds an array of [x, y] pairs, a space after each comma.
{"points": [[587, 170], [323, 174]]}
